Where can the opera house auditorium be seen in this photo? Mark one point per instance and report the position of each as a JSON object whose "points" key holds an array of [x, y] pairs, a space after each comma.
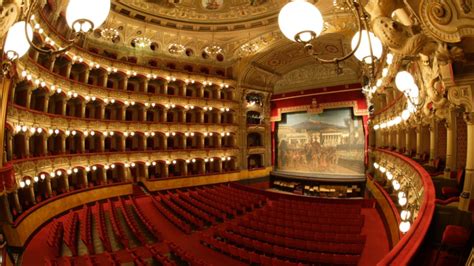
{"points": [[243, 132]]}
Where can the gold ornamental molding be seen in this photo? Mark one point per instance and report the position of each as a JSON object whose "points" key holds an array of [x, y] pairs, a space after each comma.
{"points": [[316, 108], [462, 96], [447, 20]]}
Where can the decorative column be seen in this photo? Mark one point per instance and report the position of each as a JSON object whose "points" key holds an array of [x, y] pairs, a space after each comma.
{"points": [[16, 202], [433, 139], [46, 102], [62, 144], [66, 182], [44, 145], [185, 169], [63, 107], [166, 170], [29, 92], [202, 168], [49, 189], [450, 142], [465, 196], [85, 181], [407, 140], [165, 88], [5, 214], [31, 193], [102, 111], [104, 80], [27, 145], [399, 139], [418, 131], [83, 109], [82, 143]]}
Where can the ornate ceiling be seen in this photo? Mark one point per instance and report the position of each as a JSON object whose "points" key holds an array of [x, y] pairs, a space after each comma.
{"points": [[232, 24]]}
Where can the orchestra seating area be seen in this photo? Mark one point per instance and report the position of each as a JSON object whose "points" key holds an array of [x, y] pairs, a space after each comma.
{"points": [[222, 220]]}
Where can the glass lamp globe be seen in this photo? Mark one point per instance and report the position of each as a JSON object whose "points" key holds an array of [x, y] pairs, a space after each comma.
{"points": [[389, 175], [404, 81], [404, 226], [402, 194], [363, 51], [405, 215], [300, 16], [405, 115], [414, 91], [396, 185], [81, 13], [402, 201], [16, 44]]}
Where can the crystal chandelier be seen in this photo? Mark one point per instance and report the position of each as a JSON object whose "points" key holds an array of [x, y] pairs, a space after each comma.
{"points": [[109, 33], [176, 48], [142, 42], [213, 49]]}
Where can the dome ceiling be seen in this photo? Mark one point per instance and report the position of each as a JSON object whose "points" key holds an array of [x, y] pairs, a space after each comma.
{"points": [[200, 12], [233, 24]]}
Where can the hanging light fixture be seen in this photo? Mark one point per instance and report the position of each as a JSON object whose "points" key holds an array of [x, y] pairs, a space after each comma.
{"points": [[302, 22], [176, 47], [405, 83], [79, 16], [213, 48]]}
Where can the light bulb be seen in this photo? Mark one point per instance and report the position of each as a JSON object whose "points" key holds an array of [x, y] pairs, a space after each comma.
{"points": [[404, 81], [367, 41], [405, 215], [404, 226], [402, 201], [376, 165], [389, 175]]}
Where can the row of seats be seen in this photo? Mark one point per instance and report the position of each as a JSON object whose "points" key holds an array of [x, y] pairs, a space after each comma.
{"points": [[206, 208], [296, 233], [55, 237], [86, 228], [116, 228], [103, 236], [149, 226], [193, 210], [271, 213], [70, 232], [259, 258], [132, 224], [185, 215], [309, 227], [184, 255], [283, 252], [186, 228], [308, 245]]}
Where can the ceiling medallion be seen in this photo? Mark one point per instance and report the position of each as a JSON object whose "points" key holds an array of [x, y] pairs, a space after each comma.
{"points": [[109, 33], [142, 42], [213, 49], [175, 48]]}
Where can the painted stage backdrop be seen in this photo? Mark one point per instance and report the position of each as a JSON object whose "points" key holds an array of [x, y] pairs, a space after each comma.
{"points": [[329, 143]]}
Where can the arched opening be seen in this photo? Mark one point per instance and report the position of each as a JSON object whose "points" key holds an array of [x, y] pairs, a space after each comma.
{"points": [[113, 111], [98, 77], [134, 113], [255, 161], [79, 72], [74, 107], [21, 96], [117, 81], [113, 142], [20, 150], [93, 110], [155, 141], [38, 99], [74, 142], [57, 104], [253, 118], [56, 144], [155, 114], [38, 142], [254, 139]]}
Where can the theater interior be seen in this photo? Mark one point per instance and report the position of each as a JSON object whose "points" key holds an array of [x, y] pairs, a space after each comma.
{"points": [[243, 132]]}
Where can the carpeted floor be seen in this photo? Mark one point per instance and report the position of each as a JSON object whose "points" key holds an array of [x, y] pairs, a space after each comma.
{"points": [[375, 248]]}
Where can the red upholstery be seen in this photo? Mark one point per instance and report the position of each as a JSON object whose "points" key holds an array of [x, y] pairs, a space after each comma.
{"points": [[455, 236], [450, 191]]}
